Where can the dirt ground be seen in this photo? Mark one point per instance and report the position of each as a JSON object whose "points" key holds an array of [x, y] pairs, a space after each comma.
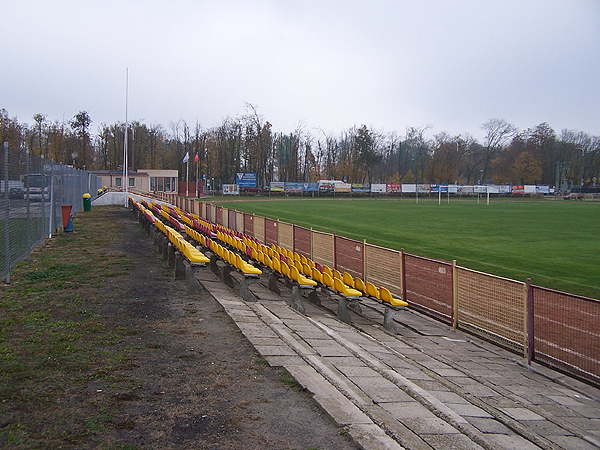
{"points": [[162, 370]]}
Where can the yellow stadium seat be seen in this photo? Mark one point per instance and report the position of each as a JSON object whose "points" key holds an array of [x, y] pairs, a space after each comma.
{"points": [[387, 296], [316, 275], [360, 285], [347, 279], [372, 290], [345, 290], [302, 280], [247, 269]]}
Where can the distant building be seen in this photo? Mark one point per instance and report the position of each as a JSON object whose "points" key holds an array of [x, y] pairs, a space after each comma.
{"points": [[143, 180]]}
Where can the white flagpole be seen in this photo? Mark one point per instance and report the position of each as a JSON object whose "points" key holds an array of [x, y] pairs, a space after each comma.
{"points": [[197, 177], [125, 162], [187, 171]]}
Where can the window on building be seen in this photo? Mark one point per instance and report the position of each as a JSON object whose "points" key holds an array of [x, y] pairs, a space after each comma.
{"points": [[131, 182], [161, 186], [118, 181], [152, 184], [174, 183], [167, 184]]}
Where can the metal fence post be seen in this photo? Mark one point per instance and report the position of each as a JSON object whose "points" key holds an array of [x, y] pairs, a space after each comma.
{"points": [[403, 274], [454, 295], [7, 217], [530, 330]]}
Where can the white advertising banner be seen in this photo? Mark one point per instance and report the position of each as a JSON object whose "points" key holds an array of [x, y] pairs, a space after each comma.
{"points": [[378, 188]]}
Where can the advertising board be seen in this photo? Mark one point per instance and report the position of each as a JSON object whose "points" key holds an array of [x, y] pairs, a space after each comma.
{"points": [[231, 189], [277, 186], [310, 187], [361, 188], [293, 187], [245, 179], [343, 187], [409, 188], [378, 188]]}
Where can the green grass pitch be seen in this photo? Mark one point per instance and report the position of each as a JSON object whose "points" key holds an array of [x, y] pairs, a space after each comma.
{"points": [[556, 243]]}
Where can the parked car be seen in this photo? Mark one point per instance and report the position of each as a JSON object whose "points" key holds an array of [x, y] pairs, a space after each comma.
{"points": [[17, 193]]}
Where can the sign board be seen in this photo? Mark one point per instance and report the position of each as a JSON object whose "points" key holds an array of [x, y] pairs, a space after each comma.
{"points": [[245, 179], [361, 188], [231, 189], [378, 188], [310, 187], [343, 187], [505, 189], [439, 187], [326, 185], [480, 189], [530, 189], [453, 188], [293, 187], [493, 189], [543, 189], [519, 189], [277, 186], [409, 188]]}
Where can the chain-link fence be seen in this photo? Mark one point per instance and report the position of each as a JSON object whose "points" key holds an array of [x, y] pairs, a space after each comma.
{"points": [[32, 193]]}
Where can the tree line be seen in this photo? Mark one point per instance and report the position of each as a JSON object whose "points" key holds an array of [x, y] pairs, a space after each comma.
{"points": [[360, 154]]}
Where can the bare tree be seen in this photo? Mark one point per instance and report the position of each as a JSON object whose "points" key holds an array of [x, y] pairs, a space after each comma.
{"points": [[497, 133]]}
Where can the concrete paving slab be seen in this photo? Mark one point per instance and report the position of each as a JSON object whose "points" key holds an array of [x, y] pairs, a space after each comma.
{"points": [[275, 350], [284, 361], [521, 414], [372, 437], [357, 371], [572, 443], [489, 425], [510, 442], [450, 442], [468, 410], [429, 425], [407, 410], [380, 390]]}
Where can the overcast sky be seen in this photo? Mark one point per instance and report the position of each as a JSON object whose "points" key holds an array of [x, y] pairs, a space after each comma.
{"points": [[389, 64]]}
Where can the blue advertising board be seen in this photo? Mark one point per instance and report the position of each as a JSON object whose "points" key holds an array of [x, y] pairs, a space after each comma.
{"points": [[245, 179], [310, 187]]}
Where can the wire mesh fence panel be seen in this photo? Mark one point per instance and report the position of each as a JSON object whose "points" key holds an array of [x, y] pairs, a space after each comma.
{"points": [[492, 307], [302, 241], [271, 232], [259, 228], [323, 248], [567, 332], [33, 191], [286, 236], [239, 221], [383, 268], [225, 214], [249, 224], [349, 256], [429, 285]]}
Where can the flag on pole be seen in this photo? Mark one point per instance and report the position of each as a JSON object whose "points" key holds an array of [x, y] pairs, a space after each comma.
{"points": [[197, 158], [186, 158]]}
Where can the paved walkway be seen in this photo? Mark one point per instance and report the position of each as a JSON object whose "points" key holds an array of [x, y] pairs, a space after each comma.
{"points": [[426, 388]]}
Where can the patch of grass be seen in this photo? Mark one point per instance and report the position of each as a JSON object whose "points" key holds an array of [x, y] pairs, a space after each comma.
{"points": [[553, 242], [290, 381], [54, 340]]}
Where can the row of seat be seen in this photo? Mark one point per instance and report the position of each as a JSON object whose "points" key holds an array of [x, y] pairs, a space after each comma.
{"points": [[234, 259], [292, 265], [194, 256]]}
